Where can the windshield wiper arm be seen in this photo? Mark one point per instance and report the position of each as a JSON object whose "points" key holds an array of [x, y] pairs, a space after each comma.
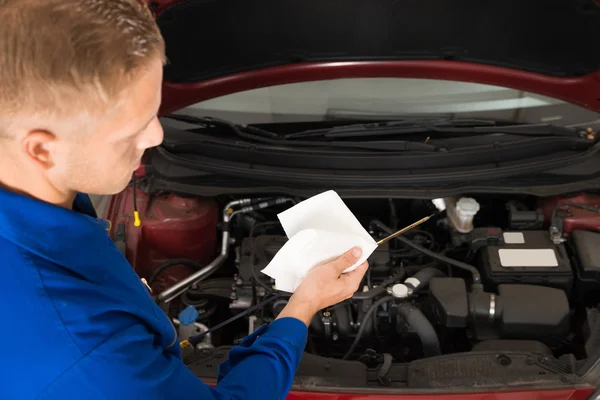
{"points": [[244, 131], [263, 136], [406, 124], [450, 126]]}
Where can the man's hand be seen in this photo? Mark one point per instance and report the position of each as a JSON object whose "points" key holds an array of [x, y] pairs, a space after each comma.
{"points": [[324, 286]]}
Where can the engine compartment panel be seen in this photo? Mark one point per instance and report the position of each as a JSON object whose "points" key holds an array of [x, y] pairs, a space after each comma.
{"points": [[419, 319]]}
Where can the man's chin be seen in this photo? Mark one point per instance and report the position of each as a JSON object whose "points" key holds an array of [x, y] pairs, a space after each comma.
{"points": [[108, 190]]}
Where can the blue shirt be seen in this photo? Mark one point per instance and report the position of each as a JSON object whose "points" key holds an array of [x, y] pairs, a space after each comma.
{"points": [[79, 324]]}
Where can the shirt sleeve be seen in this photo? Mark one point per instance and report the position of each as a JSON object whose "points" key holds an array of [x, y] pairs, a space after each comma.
{"points": [[267, 360], [130, 365]]}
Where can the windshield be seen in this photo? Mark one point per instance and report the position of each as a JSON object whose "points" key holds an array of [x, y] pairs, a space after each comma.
{"points": [[390, 98]]}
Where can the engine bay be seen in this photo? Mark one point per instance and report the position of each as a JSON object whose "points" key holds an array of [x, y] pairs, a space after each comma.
{"points": [[521, 278]]}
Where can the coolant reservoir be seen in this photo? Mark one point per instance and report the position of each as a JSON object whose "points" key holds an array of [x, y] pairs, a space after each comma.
{"points": [[461, 213]]}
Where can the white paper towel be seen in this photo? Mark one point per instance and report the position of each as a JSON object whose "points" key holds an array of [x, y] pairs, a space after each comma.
{"points": [[320, 229]]}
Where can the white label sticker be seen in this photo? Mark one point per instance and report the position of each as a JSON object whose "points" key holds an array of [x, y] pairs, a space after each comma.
{"points": [[514, 238], [528, 258]]}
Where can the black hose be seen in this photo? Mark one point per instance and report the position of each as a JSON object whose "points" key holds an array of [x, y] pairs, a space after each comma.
{"points": [[416, 320], [342, 319], [458, 264], [370, 293], [379, 289], [363, 324], [170, 263]]}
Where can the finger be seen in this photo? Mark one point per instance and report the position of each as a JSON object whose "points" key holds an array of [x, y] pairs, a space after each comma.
{"points": [[359, 269], [347, 260]]}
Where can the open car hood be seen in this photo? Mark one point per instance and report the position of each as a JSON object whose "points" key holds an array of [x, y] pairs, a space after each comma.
{"points": [[220, 47]]}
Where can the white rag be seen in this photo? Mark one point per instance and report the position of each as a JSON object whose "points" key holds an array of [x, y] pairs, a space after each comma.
{"points": [[320, 229]]}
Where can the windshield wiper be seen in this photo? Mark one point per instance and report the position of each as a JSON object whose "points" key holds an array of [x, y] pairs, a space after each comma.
{"points": [[263, 136], [464, 126], [244, 131], [397, 124]]}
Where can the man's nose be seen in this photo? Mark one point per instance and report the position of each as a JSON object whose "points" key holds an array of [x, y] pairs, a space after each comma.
{"points": [[153, 136]]}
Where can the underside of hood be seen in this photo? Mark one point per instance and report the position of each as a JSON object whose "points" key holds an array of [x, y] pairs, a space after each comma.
{"points": [[208, 39]]}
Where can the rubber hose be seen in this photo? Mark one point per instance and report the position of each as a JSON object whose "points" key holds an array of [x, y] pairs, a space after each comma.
{"points": [[385, 369], [379, 289], [342, 318], [417, 321], [363, 324], [171, 263], [458, 264]]}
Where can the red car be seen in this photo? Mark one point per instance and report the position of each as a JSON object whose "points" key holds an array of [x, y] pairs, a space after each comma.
{"points": [[490, 106]]}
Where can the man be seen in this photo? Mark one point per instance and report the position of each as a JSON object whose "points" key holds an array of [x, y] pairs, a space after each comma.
{"points": [[80, 87]]}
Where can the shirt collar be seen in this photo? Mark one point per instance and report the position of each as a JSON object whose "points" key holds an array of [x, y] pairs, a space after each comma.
{"points": [[52, 232]]}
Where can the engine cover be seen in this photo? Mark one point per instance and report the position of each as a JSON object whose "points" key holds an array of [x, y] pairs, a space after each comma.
{"points": [[527, 257]]}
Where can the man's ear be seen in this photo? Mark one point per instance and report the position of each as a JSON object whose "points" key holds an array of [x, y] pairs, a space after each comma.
{"points": [[38, 146]]}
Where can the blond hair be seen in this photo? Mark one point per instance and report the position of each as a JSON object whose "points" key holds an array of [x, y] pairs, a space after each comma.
{"points": [[62, 57]]}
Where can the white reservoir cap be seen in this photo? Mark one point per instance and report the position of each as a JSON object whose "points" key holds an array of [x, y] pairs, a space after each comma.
{"points": [[467, 206], [400, 291], [461, 214]]}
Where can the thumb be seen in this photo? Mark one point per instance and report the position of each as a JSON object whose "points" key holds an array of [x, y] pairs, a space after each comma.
{"points": [[347, 260], [357, 275]]}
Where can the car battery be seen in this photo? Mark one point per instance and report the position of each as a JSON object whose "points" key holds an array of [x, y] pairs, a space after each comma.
{"points": [[527, 257]]}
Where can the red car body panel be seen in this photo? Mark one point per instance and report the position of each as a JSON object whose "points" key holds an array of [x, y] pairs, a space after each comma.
{"points": [[566, 394], [583, 91]]}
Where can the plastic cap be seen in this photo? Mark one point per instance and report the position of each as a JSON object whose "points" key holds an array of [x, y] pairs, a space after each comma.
{"points": [[440, 204], [188, 316], [136, 219], [467, 206], [400, 291]]}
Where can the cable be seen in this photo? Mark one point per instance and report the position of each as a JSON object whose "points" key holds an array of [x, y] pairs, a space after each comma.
{"points": [[575, 205], [256, 280], [194, 340], [171, 263], [458, 264], [413, 235], [582, 206], [363, 324], [254, 295], [136, 215]]}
